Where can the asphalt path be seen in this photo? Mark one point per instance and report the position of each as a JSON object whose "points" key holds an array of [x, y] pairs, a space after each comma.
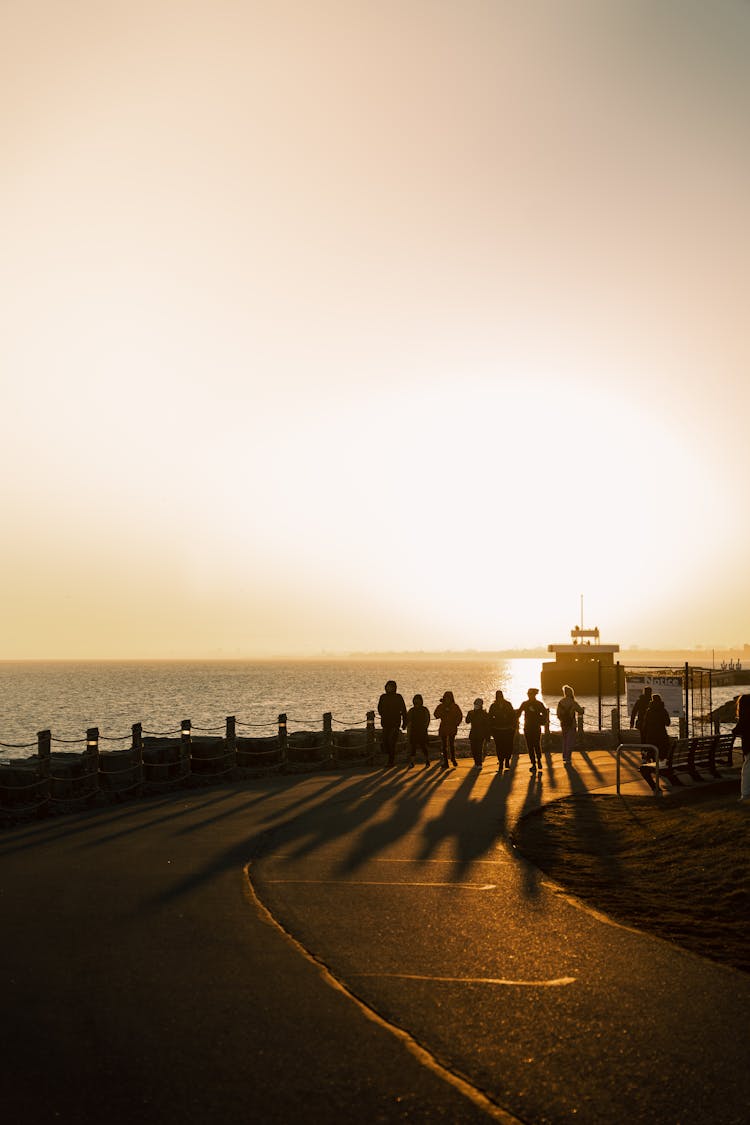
{"points": [[359, 944]]}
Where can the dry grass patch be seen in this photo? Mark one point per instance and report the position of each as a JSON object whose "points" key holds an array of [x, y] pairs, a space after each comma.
{"points": [[678, 867]]}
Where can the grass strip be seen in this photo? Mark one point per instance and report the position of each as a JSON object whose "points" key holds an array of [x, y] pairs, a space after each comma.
{"points": [[678, 866]]}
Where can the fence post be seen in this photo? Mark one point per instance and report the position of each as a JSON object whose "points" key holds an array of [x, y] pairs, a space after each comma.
{"points": [[370, 733], [44, 747], [137, 729], [186, 740], [328, 733], [44, 753], [616, 722], [282, 737], [92, 749], [231, 737]]}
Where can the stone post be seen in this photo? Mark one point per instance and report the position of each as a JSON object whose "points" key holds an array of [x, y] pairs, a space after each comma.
{"points": [[92, 750], [137, 729], [231, 739], [186, 741], [282, 736]]}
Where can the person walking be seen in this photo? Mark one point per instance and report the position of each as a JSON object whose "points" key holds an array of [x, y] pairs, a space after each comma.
{"points": [[655, 722], [742, 731], [392, 711], [417, 726], [568, 710], [479, 729], [450, 716], [535, 716], [503, 722], [640, 707]]}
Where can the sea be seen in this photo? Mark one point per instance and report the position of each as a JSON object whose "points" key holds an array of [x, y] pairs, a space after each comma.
{"points": [[68, 697]]}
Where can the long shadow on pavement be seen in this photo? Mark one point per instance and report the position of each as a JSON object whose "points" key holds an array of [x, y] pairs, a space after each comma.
{"points": [[355, 812], [473, 826]]}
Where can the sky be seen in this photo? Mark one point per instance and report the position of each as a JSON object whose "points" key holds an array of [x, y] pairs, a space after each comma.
{"points": [[375, 325]]}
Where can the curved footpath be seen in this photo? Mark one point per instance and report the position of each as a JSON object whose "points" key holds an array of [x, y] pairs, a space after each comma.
{"points": [[357, 945]]}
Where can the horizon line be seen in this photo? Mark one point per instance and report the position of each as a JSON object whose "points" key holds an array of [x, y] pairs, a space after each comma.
{"points": [[529, 652]]}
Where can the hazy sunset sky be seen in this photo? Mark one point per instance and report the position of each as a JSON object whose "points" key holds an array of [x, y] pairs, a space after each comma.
{"points": [[373, 325]]}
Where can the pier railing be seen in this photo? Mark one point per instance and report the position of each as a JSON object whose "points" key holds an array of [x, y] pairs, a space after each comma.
{"points": [[67, 773]]}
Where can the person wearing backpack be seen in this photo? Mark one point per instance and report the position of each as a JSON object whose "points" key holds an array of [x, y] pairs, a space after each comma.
{"points": [[568, 710]]}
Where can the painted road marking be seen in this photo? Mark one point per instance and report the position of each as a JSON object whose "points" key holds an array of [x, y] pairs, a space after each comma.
{"points": [[557, 982], [379, 859], [377, 883]]}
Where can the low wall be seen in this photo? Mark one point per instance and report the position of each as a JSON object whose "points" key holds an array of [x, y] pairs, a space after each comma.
{"points": [[54, 781]]}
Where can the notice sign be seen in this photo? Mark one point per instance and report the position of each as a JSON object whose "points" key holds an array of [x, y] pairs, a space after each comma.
{"points": [[670, 688]]}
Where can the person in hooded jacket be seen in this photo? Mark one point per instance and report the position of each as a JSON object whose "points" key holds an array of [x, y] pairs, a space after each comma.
{"points": [[655, 723], [417, 726], [503, 723], [450, 716], [640, 707], [392, 711]]}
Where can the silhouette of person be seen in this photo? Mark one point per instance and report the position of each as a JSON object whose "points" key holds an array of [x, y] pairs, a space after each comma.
{"points": [[503, 722], [392, 711], [742, 731], [640, 707], [567, 711], [417, 725], [535, 716], [479, 729], [655, 723], [450, 716]]}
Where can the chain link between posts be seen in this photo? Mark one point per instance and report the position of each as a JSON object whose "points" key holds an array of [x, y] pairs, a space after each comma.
{"points": [[289, 754]]}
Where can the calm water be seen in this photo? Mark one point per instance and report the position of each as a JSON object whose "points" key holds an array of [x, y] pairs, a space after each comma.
{"points": [[68, 697]]}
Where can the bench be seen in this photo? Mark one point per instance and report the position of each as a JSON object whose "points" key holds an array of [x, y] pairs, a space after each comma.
{"points": [[691, 756]]}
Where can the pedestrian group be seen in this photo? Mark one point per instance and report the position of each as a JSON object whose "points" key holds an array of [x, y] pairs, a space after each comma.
{"points": [[498, 724]]}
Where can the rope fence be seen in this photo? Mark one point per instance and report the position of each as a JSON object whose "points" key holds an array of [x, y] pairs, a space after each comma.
{"points": [[184, 755]]}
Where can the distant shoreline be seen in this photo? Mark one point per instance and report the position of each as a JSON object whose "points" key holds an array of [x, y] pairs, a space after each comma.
{"points": [[704, 658]]}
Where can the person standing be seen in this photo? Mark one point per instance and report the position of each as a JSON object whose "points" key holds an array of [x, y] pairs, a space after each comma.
{"points": [[568, 710], [535, 716], [392, 711], [479, 729], [503, 721], [640, 707], [417, 726], [450, 716], [742, 731], [655, 723]]}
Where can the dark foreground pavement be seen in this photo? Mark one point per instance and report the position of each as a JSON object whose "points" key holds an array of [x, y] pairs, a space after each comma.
{"points": [[358, 945]]}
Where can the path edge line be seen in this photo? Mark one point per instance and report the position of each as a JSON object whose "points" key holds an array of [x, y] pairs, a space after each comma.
{"points": [[420, 1053]]}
